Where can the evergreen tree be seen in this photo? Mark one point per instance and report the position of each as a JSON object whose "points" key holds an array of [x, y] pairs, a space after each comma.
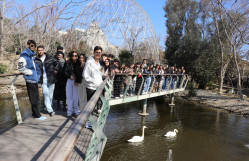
{"points": [[175, 14]]}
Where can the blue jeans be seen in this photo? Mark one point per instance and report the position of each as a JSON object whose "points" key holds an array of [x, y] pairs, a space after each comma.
{"points": [[147, 84], [48, 91], [173, 82], [165, 84]]}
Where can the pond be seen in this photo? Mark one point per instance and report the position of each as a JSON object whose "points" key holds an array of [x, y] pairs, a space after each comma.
{"points": [[204, 134]]}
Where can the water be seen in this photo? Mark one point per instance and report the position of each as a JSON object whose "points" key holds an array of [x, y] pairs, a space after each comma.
{"points": [[8, 113], [204, 134]]}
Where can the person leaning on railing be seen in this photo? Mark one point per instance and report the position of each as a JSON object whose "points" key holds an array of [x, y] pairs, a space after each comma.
{"points": [[139, 78], [128, 80], [147, 79], [117, 78], [32, 73]]}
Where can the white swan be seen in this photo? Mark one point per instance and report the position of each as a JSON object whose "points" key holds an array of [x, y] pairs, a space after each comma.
{"points": [[138, 138], [171, 133]]}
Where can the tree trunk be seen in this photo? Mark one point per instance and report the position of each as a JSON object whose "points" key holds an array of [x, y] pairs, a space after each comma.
{"points": [[238, 73], [1, 33], [222, 75]]}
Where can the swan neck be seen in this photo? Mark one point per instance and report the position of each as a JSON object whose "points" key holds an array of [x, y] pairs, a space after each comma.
{"points": [[143, 132]]}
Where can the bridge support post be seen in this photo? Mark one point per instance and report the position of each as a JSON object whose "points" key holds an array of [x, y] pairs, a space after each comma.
{"points": [[144, 108], [172, 99]]}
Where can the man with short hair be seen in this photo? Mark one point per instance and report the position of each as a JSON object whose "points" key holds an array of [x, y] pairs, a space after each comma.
{"points": [[60, 48], [92, 75], [49, 67], [32, 73]]}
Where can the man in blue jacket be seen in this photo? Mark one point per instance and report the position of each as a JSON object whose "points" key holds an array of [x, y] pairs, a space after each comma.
{"points": [[32, 73]]}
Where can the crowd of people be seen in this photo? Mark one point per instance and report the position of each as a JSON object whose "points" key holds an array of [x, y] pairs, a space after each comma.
{"points": [[72, 81]]}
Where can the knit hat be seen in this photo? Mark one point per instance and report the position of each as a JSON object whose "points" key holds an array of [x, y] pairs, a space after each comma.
{"points": [[59, 52]]}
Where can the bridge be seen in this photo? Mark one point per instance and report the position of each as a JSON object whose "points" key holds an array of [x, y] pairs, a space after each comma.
{"points": [[64, 138]]}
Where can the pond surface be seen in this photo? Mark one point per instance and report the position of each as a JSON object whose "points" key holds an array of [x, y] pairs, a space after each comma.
{"points": [[8, 113], [204, 134]]}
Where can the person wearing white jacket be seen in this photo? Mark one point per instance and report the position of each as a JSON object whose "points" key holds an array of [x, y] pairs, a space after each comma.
{"points": [[92, 75]]}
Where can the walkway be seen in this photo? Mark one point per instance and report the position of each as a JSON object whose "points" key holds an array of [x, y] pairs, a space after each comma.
{"points": [[60, 137]]}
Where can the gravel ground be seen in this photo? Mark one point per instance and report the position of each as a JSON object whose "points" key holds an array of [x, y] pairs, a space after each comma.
{"points": [[226, 102]]}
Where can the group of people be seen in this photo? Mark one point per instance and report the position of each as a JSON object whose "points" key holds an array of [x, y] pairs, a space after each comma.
{"points": [[129, 76], [73, 81]]}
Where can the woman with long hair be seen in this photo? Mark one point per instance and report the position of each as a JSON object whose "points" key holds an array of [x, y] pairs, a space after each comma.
{"points": [[129, 80], [106, 69], [73, 73], [81, 86]]}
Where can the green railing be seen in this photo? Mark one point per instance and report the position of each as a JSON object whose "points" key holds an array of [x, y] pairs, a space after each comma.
{"points": [[13, 92], [64, 147], [98, 140]]}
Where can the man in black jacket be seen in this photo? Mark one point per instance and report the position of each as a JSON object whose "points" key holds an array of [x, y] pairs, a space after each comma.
{"points": [[49, 67]]}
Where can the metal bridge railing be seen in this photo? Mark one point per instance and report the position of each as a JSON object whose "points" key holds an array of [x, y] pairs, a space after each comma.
{"points": [[13, 92], [64, 147], [121, 85]]}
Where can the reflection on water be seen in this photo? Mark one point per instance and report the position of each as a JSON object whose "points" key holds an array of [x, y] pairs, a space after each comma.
{"points": [[8, 113], [204, 134]]}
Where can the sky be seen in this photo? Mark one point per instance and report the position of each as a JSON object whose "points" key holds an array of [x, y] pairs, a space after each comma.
{"points": [[154, 9]]}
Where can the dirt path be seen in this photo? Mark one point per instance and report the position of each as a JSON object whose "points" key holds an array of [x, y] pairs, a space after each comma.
{"points": [[225, 102]]}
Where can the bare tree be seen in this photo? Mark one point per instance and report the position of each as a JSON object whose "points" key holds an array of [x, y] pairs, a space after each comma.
{"points": [[234, 21]]}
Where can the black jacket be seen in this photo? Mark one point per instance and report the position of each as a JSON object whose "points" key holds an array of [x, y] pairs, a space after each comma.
{"points": [[50, 64], [73, 69]]}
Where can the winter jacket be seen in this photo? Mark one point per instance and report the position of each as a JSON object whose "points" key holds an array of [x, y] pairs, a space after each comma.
{"points": [[147, 72], [73, 69], [29, 67], [128, 79], [92, 74], [50, 64]]}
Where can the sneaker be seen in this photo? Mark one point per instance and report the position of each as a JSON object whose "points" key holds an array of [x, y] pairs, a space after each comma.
{"points": [[116, 97], [121, 95], [131, 94], [76, 113], [41, 118], [99, 111], [88, 125], [69, 115], [51, 113]]}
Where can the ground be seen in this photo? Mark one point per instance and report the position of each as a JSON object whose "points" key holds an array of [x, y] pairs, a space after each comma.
{"points": [[226, 102]]}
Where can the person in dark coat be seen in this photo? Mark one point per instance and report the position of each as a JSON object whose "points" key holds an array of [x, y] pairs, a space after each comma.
{"points": [[74, 77], [60, 84], [49, 67]]}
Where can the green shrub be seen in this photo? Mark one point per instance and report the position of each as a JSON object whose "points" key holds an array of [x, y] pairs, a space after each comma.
{"points": [[191, 90], [3, 68]]}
